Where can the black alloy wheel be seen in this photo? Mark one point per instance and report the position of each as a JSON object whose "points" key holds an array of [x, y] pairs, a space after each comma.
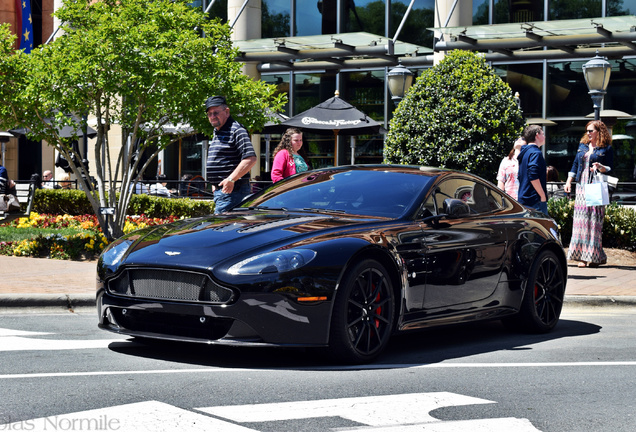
{"points": [[364, 314], [543, 298]]}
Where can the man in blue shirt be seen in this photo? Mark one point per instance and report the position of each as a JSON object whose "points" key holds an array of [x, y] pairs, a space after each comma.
{"points": [[532, 170], [231, 156]]}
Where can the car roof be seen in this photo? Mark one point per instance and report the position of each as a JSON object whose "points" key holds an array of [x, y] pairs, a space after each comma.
{"points": [[412, 169]]}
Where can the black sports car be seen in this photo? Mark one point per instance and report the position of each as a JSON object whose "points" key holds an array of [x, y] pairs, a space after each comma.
{"points": [[339, 258]]}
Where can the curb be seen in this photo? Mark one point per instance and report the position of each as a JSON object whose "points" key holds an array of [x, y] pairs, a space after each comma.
{"points": [[67, 302], [594, 300], [70, 302]]}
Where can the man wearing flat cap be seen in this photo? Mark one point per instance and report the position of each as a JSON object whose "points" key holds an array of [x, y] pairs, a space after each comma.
{"points": [[231, 156]]}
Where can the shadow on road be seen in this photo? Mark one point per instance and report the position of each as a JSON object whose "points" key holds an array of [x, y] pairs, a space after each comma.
{"points": [[414, 349]]}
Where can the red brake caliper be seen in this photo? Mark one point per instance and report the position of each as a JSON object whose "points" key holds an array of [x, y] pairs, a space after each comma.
{"points": [[378, 311]]}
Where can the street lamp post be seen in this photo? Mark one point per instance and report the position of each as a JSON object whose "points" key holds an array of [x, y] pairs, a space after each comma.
{"points": [[400, 80], [597, 74]]}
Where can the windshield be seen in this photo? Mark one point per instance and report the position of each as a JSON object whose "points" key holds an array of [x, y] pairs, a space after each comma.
{"points": [[363, 192]]}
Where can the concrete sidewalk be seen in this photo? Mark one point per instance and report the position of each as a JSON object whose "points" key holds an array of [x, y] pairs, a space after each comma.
{"points": [[38, 282]]}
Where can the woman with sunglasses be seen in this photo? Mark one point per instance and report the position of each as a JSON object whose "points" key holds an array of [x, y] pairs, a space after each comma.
{"points": [[595, 154]]}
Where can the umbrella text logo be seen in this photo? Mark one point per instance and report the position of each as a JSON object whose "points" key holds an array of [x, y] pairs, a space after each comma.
{"points": [[335, 123]]}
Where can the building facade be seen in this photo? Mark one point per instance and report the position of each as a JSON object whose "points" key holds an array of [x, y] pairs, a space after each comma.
{"points": [[537, 46]]}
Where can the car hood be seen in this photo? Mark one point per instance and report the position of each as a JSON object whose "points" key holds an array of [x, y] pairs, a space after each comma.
{"points": [[203, 242]]}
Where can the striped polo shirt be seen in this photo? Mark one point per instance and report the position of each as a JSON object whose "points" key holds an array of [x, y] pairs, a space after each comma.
{"points": [[229, 146]]}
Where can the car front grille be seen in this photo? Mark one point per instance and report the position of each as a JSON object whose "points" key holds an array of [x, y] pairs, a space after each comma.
{"points": [[162, 284]]}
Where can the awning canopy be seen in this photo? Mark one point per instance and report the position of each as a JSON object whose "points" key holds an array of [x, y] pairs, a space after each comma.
{"points": [[613, 37], [335, 51]]}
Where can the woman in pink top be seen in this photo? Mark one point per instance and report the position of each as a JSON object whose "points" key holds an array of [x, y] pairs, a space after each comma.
{"points": [[508, 169], [287, 161]]}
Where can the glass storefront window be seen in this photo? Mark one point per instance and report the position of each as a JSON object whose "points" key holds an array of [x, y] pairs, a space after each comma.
{"points": [[218, 9], [312, 88], [481, 10], [621, 7], [309, 90], [526, 79], [315, 18], [365, 91], [366, 16], [281, 81], [525, 11], [414, 30], [620, 91], [567, 91], [562, 142], [275, 18], [191, 153], [624, 143], [575, 9]]}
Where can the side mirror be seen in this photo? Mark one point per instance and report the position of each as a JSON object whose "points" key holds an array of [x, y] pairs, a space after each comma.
{"points": [[455, 208]]}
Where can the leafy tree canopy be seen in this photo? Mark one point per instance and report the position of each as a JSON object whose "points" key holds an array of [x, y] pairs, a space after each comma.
{"points": [[134, 63], [458, 115]]}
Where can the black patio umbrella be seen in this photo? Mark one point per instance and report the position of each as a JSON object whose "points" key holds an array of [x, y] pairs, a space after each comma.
{"points": [[335, 116], [274, 125], [338, 117]]}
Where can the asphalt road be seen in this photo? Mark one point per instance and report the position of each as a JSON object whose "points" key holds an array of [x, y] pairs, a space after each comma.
{"points": [[59, 372]]}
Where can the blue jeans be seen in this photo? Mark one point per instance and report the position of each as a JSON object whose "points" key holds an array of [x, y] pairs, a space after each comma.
{"points": [[224, 202]]}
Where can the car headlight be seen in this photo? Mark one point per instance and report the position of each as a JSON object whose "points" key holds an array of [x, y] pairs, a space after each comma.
{"points": [[112, 255], [273, 262]]}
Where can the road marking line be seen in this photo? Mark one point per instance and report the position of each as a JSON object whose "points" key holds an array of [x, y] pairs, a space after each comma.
{"points": [[300, 369], [17, 343], [10, 332]]}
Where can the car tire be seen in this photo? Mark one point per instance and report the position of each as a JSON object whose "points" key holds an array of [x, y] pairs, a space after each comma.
{"points": [[543, 298], [363, 315]]}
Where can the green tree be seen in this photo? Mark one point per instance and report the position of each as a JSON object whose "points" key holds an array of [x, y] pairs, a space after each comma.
{"points": [[458, 115], [138, 64]]}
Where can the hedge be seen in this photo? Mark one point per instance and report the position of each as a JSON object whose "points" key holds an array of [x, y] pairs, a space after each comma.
{"points": [[619, 226], [74, 202]]}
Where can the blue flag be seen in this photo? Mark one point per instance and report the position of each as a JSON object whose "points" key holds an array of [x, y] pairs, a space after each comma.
{"points": [[26, 33]]}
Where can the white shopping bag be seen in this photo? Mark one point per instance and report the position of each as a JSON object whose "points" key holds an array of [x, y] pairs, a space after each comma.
{"points": [[596, 194], [611, 181]]}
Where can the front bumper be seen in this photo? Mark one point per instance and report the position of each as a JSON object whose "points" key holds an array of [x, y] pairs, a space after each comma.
{"points": [[254, 319]]}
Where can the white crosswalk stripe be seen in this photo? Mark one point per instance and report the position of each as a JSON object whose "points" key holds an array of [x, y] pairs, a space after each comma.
{"points": [[393, 413], [371, 410]]}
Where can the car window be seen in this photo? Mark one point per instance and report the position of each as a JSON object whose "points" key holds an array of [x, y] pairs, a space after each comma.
{"points": [[480, 197], [373, 193]]}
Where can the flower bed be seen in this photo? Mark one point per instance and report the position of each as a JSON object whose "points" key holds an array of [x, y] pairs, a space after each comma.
{"points": [[86, 244]]}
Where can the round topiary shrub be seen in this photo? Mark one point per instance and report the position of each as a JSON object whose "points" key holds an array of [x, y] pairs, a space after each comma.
{"points": [[459, 115]]}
